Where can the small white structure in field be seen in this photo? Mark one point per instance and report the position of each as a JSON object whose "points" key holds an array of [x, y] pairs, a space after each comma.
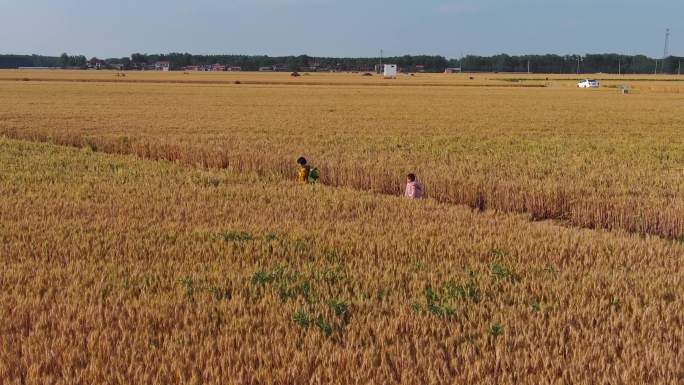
{"points": [[390, 71]]}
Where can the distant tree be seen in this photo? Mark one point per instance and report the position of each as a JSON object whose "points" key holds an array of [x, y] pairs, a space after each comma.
{"points": [[64, 60], [567, 64], [138, 58]]}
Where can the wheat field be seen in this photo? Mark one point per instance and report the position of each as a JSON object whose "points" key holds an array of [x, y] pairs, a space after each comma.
{"points": [[591, 158], [151, 233]]}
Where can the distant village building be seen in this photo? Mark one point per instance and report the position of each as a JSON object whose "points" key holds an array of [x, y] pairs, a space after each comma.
{"points": [[420, 68], [162, 66], [266, 69], [390, 71], [312, 67], [280, 67], [95, 63], [452, 70], [212, 67]]}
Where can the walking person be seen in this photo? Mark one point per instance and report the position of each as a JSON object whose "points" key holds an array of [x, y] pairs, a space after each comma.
{"points": [[414, 190], [306, 173], [304, 169]]}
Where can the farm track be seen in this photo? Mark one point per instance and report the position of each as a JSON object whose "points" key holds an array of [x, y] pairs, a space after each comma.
{"points": [[267, 83], [480, 204]]}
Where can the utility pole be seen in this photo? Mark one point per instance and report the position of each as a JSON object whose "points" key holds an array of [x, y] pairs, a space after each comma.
{"points": [[679, 68], [579, 59], [655, 71], [379, 70], [619, 65], [528, 66]]}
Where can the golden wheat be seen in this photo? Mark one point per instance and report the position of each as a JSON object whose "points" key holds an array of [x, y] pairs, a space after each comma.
{"points": [[117, 269], [120, 270], [592, 158]]}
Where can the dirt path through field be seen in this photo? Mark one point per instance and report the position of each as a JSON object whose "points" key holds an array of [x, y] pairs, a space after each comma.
{"points": [[479, 206]]}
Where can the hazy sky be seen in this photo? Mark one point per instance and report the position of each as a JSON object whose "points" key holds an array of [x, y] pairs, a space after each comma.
{"points": [[340, 27]]}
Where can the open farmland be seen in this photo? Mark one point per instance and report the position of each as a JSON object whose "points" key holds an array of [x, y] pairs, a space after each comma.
{"points": [[120, 270], [158, 237], [589, 158]]}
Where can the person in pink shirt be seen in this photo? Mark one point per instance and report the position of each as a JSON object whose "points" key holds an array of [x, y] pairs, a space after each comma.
{"points": [[414, 190]]}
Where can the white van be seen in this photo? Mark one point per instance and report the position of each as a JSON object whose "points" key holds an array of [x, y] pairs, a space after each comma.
{"points": [[588, 83]]}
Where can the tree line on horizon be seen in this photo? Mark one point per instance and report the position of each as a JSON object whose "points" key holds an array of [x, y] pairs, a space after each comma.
{"points": [[551, 63]]}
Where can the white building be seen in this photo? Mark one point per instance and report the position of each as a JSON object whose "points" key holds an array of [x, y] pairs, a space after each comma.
{"points": [[162, 66], [390, 71]]}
